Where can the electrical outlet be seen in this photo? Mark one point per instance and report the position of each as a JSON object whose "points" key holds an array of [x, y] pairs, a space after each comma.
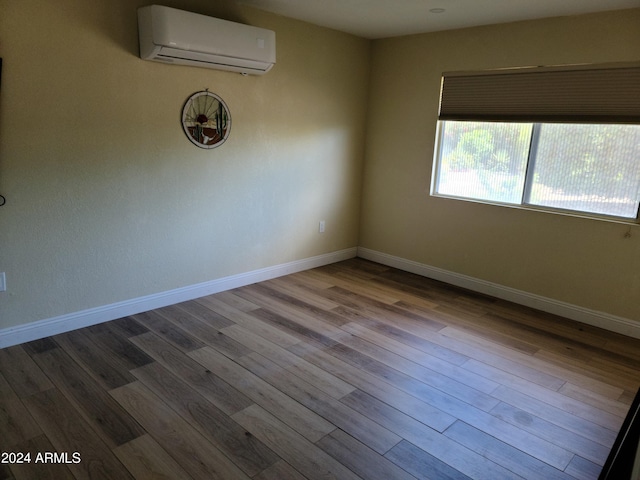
{"points": [[3, 282], [321, 227]]}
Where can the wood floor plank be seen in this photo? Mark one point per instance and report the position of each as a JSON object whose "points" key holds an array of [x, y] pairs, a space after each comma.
{"points": [[610, 372], [563, 438], [602, 402], [187, 446], [16, 424], [280, 470], [275, 335], [627, 397], [600, 374], [220, 430], [207, 315], [195, 322], [376, 437], [170, 332], [543, 321], [230, 298], [38, 346], [303, 330], [492, 354], [297, 416], [582, 469], [511, 378], [19, 370], [359, 283], [382, 413], [431, 362], [146, 460], [577, 345], [128, 327], [405, 337], [38, 470], [491, 329], [621, 344], [359, 458], [297, 450], [124, 352], [538, 447], [343, 291], [369, 287], [330, 384], [365, 267], [467, 307], [382, 311], [459, 300], [351, 370], [515, 460], [439, 293], [113, 424], [421, 464], [422, 411], [212, 387], [593, 376], [535, 446], [448, 385], [5, 473], [287, 306], [104, 368], [440, 398], [535, 334], [570, 405], [556, 415], [301, 291], [69, 433], [435, 444], [311, 279]]}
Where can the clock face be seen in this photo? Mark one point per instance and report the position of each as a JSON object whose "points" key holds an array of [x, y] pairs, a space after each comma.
{"points": [[206, 120]]}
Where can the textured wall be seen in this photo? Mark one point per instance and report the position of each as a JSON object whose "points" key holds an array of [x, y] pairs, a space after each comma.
{"points": [[107, 200], [584, 262]]}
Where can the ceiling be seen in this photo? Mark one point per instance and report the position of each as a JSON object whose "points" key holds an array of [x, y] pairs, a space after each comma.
{"points": [[389, 18]]}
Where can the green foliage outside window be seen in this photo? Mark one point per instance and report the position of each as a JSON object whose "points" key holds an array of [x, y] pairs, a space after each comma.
{"points": [[590, 168]]}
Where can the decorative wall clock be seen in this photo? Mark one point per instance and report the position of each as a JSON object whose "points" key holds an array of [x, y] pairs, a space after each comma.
{"points": [[206, 120]]}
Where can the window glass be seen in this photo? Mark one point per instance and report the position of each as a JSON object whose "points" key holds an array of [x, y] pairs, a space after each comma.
{"points": [[593, 169], [589, 168], [484, 161]]}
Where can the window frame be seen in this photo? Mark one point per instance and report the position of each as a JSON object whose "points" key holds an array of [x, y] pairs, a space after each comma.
{"points": [[524, 203]]}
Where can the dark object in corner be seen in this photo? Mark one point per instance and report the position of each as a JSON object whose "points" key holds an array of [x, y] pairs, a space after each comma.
{"points": [[623, 462], [2, 199]]}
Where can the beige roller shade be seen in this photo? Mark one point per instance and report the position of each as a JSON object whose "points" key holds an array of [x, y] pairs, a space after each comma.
{"points": [[590, 94]]}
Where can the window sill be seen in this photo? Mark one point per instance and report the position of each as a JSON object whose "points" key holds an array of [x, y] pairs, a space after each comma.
{"points": [[554, 211]]}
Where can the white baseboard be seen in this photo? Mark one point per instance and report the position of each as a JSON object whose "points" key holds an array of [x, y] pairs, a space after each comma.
{"points": [[603, 320], [65, 323], [72, 321]]}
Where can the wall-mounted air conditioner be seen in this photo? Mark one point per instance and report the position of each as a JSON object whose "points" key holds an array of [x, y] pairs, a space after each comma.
{"points": [[174, 36]]}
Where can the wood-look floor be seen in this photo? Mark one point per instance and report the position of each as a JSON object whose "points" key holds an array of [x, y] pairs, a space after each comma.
{"points": [[353, 370]]}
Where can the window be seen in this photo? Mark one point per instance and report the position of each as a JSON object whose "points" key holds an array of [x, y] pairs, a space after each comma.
{"points": [[564, 138], [593, 169]]}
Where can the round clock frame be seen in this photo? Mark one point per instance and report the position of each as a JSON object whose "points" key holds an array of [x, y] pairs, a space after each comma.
{"points": [[206, 119]]}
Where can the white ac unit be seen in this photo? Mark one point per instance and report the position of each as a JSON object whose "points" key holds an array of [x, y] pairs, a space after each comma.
{"points": [[174, 36]]}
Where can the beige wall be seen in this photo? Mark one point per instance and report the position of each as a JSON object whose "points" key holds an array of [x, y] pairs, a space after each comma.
{"points": [[107, 200], [587, 263]]}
